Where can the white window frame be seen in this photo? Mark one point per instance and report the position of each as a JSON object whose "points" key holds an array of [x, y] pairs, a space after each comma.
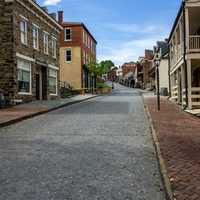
{"points": [[25, 32], [68, 40], [53, 69], [46, 43], [30, 70], [36, 43], [54, 46], [68, 49]]}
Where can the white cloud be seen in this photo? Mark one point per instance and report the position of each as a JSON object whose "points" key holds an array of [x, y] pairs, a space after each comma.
{"points": [[128, 51], [51, 2], [125, 49]]}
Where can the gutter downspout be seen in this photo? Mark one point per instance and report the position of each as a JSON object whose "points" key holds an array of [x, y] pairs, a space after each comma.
{"points": [[169, 77], [184, 56]]}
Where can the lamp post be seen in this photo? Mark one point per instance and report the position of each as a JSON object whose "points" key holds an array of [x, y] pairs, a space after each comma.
{"points": [[157, 63]]}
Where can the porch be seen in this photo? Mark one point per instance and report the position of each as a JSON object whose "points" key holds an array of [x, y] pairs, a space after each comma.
{"points": [[178, 85]]}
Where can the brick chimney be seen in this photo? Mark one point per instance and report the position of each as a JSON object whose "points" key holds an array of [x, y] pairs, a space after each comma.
{"points": [[60, 17]]}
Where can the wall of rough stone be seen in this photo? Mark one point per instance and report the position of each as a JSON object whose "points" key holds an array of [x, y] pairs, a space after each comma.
{"points": [[7, 57]]}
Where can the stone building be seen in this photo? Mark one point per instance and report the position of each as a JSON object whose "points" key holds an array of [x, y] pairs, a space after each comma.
{"points": [[29, 51], [77, 50]]}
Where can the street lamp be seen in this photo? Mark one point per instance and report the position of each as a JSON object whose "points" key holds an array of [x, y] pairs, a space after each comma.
{"points": [[157, 63]]}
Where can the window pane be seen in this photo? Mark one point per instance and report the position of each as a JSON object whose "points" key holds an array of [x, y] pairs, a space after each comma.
{"points": [[67, 34], [23, 81], [68, 55], [52, 85]]}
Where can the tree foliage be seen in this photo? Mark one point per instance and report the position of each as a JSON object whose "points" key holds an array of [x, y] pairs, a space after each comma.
{"points": [[98, 69]]}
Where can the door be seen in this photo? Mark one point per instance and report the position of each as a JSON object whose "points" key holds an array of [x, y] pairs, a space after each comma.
{"points": [[37, 87]]}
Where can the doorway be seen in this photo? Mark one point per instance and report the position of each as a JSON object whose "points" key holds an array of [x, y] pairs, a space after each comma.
{"points": [[38, 96]]}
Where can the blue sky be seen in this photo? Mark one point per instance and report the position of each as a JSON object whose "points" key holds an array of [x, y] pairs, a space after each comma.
{"points": [[123, 28]]}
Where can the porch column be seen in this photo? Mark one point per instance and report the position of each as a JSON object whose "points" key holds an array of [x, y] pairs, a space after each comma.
{"points": [[189, 77], [187, 27], [183, 84]]}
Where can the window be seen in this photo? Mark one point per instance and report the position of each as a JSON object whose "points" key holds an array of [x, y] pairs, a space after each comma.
{"points": [[52, 82], [24, 76], [54, 47], [83, 37], [84, 57], [23, 31], [68, 55], [35, 37], [46, 43], [68, 34]]}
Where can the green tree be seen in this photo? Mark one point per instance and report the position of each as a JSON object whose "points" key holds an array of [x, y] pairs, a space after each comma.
{"points": [[106, 65]]}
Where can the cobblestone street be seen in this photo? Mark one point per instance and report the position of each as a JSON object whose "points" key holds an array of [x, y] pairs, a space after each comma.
{"points": [[100, 149]]}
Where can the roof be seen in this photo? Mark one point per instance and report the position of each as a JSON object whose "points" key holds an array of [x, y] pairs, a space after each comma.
{"points": [[79, 24], [34, 3], [177, 19], [164, 47]]}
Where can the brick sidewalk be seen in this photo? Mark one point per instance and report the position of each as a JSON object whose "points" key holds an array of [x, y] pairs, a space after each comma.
{"points": [[17, 113], [179, 138]]}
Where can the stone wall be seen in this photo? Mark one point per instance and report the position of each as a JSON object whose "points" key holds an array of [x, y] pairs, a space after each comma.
{"points": [[10, 46], [8, 82]]}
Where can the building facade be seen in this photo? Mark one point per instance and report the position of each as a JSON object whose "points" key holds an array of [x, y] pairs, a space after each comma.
{"points": [[29, 53], [184, 42], [146, 65], [162, 50], [77, 50]]}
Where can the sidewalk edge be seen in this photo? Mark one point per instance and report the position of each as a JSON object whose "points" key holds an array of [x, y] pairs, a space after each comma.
{"points": [[162, 166], [17, 120]]}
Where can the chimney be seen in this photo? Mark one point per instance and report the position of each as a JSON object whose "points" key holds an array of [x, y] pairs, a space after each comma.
{"points": [[60, 17]]}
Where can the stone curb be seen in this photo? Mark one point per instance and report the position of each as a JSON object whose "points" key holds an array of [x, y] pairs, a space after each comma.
{"points": [[162, 166], [28, 116]]}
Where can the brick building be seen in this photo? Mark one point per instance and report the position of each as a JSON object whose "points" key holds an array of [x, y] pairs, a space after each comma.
{"points": [[146, 63], [128, 67], [29, 53], [78, 48], [112, 74]]}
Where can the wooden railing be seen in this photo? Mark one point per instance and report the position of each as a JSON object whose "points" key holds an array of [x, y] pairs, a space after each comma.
{"points": [[174, 93], [195, 96], [194, 42]]}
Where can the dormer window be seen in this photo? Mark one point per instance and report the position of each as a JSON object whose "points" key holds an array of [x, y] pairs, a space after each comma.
{"points": [[68, 34]]}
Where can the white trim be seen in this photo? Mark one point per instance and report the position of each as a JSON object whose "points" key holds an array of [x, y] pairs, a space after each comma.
{"points": [[53, 67], [46, 32], [37, 38], [24, 18], [44, 42], [36, 25], [27, 93], [54, 39], [68, 49], [25, 57], [70, 34], [56, 94]]}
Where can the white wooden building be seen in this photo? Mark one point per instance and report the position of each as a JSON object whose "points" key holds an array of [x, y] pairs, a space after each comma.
{"points": [[184, 42]]}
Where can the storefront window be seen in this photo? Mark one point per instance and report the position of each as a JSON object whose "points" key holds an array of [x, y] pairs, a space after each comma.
{"points": [[24, 76], [53, 82]]}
